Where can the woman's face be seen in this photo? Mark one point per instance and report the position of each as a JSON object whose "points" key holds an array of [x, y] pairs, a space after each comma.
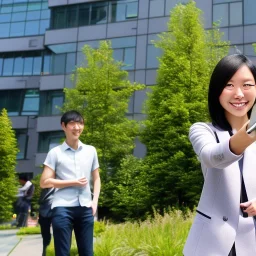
{"points": [[238, 96]]}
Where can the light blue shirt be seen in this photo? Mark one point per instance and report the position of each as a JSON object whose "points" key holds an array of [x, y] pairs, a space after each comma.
{"points": [[70, 164]]}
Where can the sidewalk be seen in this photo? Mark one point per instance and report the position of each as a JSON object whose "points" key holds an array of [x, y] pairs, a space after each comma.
{"points": [[30, 245]]}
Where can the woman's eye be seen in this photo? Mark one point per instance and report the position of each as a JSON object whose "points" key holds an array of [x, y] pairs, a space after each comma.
{"points": [[229, 85]]}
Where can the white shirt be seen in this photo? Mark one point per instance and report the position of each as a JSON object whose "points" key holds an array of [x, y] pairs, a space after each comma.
{"points": [[70, 164]]}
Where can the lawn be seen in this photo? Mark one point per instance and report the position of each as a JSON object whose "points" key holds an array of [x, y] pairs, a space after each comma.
{"points": [[160, 236]]}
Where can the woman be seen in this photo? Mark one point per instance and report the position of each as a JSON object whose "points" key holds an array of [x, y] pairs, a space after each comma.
{"points": [[223, 225]]}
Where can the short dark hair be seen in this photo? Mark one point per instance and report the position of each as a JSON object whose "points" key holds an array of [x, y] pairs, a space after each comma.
{"points": [[222, 73], [71, 115], [23, 176]]}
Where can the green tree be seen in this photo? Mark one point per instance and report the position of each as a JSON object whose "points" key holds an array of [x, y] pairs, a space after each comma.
{"points": [[131, 199], [8, 179], [178, 100], [102, 94], [36, 195]]}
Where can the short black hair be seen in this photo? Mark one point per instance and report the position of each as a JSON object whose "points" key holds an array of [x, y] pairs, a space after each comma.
{"points": [[222, 73], [71, 115], [23, 176]]}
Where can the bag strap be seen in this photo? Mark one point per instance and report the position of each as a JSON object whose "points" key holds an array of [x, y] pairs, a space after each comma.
{"points": [[52, 190]]}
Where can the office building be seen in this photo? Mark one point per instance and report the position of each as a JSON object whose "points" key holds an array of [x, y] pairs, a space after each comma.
{"points": [[40, 45]]}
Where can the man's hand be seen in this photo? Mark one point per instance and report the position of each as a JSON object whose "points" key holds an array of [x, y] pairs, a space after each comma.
{"points": [[249, 207], [82, 182], [94, 208]]}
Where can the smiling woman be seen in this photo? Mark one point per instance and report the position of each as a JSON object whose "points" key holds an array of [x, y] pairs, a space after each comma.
{"points": [[227, 156]]}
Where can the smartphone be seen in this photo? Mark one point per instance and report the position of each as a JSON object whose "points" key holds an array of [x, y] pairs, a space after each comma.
{"points": [[252, 124]]}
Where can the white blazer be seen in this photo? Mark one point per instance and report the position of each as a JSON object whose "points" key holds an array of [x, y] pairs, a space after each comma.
{"points": [[214, 229]]}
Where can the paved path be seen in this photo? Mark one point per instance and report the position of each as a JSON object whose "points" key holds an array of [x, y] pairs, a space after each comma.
{"points": [[30, 245], [8, 240], [12, 245]]}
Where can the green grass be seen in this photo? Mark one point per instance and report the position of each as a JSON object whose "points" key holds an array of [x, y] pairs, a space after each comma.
{"points": [[5, 227], [160, 236], [29, 231]]}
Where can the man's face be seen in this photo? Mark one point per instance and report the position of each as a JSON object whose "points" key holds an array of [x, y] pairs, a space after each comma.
{"points": [[73, 129], [22, 182]]}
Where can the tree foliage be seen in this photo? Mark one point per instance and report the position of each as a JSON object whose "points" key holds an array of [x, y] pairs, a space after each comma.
{"points": [[102, 94], [131, 199], [36, 195], [8, 179], [178, 100]]}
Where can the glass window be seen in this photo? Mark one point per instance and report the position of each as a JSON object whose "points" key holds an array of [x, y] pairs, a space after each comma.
{"points": [[5, 18], [236, 14], [37, 65], [19, 16], [28, 65], [32, 28], [156, 8], [8, 66], [22, 138], [72, 16], [44, 24], [131, 10], [5, 29], [118, 54], [99, 13], [19, 7], [34, 6], [224, 1], [59, 17], [45, 14], [6, 9], [118, 11], [249, 50], [17, 29], [152, 54], [59, 64], [220, 13], [47, 63], [84, 15], [71, 62], [48, 140], [123, 10], [18, 65], [62, 48], [123, 42], [1, 64], [56, 102], [80, 59], [31, 103], [129, 58], [249, 12], [7, 1], [35, 15], [51, 102], [44, 5], [94, 44], [11, 100]]}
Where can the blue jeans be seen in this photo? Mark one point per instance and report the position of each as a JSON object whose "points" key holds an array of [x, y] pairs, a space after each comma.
{"points": [[64, 220]]}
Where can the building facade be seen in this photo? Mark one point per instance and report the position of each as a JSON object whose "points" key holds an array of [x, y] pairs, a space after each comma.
{"points": [[40, 45]]}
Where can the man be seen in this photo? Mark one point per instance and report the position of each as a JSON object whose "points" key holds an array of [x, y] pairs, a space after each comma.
{"points": [[45, 216], [23, 204], [69, 168]]}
